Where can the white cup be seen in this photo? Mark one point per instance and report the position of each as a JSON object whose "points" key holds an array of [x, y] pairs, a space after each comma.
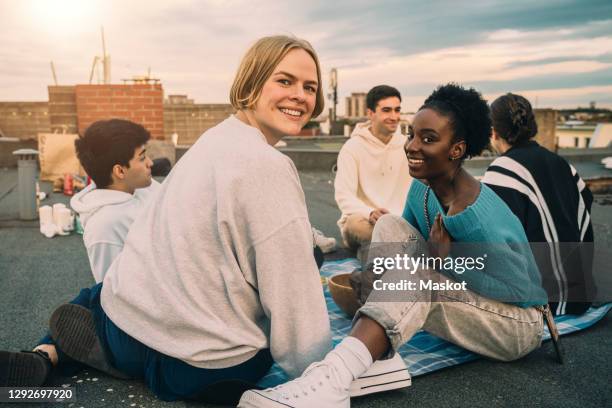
{"points": [[45, 213], [65, 220], [56, 212], [47, 226]]}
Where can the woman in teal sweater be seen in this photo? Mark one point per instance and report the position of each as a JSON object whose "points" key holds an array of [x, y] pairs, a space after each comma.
{"points": [[488, 310], [486, 226]]}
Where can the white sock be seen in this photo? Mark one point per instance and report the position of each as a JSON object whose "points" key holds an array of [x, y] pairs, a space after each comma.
{"points": [[351, 358]]}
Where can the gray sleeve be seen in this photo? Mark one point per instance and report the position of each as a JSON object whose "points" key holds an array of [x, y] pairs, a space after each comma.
{"points": [[291, 294]]}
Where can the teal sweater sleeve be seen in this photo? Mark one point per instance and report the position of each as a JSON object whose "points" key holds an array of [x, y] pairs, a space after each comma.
{"points": [[487, 229]]}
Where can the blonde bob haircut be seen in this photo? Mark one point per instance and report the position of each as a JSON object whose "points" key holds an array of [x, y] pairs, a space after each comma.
{"points": [[258, 64]]}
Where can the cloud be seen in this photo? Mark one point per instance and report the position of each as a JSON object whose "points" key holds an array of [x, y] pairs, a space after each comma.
{"points": [[194, 47], [604, 58], [501, 62], [564, 97]]}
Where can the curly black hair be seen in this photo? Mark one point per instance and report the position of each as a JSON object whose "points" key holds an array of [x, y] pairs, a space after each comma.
{"points": [[468, 114], [513, 118]]}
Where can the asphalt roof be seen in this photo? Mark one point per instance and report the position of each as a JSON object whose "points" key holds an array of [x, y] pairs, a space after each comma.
{"points": [[38, 274]]}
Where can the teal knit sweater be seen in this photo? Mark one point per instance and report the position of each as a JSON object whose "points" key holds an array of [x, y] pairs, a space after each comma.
{"points": [[487, 226]]}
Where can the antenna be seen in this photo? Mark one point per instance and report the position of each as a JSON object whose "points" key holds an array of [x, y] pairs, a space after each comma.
{"points": [[333, 85], [53, 72]]}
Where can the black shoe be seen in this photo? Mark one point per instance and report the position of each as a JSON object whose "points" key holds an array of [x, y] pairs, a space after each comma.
{"points": [[24, 368], [73, 329]]}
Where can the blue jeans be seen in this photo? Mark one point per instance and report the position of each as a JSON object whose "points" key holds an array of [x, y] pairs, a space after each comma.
{"points": [[169, 378]]}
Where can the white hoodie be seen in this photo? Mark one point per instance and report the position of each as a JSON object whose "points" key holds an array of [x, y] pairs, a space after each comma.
{"points": [[106, 216], [371, 174]]}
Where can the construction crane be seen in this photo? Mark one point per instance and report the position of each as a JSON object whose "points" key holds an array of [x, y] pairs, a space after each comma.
{"points": [[53, 72], [104, 60]]}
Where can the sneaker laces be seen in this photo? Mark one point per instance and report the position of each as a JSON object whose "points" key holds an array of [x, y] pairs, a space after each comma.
{"points": [[305, 384]]}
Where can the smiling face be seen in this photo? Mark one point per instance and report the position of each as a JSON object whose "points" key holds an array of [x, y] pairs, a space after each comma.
{"points": [[385, 118], [288, 97], [430, 146]]}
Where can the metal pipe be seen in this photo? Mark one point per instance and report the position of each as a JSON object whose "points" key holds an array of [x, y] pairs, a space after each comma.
{"points": [[27, 164]]}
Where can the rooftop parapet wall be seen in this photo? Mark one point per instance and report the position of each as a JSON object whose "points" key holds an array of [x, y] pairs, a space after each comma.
{"points": [[140, 103], [62, 108], [24, 120], [8, 145], [547, 125], [190, 120]]}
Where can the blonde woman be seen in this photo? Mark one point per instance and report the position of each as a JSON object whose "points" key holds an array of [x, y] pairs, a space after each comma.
{"points": [[217, 279]]}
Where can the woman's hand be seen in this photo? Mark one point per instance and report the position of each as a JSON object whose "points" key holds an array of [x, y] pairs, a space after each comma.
{"points": [[439, 239]]}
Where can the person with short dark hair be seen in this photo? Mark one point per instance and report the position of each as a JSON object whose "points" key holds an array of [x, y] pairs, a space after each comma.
{"points": [[106, 150], [550, 199], [495, 316], [113, 153], [372, 178]]}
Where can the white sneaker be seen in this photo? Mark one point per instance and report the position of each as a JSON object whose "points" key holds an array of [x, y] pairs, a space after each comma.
{"points": [[318, 387], [327, 244], [383, 375]]}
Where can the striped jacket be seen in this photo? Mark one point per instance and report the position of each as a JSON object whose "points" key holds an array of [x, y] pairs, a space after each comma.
{"points": [[554, 205]]}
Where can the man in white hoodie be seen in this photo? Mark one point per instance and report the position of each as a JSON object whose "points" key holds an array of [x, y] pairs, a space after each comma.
{"points": [[113, 154], [372, 177]]}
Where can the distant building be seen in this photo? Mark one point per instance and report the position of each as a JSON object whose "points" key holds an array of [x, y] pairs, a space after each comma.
{"points": [[405, 121], [189, 120], [356, 105], [602, 136], [72, 109], [178, 100], [591, 114], [574, 134]]}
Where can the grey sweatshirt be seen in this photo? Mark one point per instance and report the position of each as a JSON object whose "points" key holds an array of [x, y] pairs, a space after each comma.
{"points": [[220, 264]]}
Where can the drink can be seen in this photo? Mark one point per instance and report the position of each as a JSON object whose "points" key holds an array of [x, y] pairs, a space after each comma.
{"points": [[68, 184]]}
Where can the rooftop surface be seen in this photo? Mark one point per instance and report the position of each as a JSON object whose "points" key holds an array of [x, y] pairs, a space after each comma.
{"points": [[38, 274]]}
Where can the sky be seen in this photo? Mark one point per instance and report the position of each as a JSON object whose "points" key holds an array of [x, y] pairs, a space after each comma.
{"points": [[556, 53]]}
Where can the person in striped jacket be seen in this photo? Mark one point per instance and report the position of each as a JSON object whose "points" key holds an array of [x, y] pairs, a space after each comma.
{"points": [[550, 199]]}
